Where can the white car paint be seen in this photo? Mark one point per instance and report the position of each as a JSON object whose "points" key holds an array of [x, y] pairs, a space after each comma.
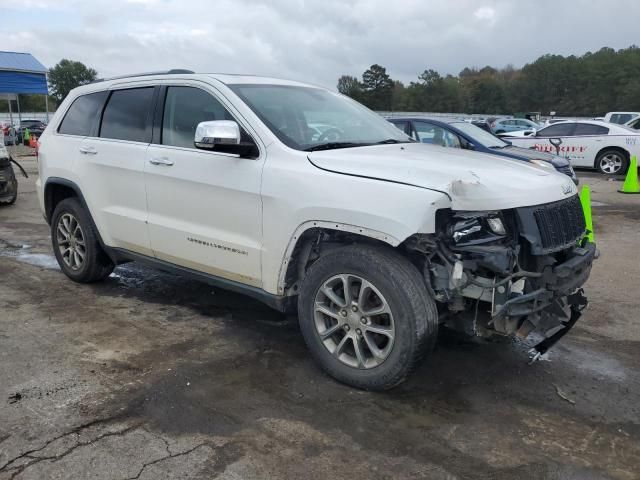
{"points": [[582, 150], [238, 218]]}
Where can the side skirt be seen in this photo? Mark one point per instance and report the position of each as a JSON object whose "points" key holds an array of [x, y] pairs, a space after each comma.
{"points": [[280, 303]]}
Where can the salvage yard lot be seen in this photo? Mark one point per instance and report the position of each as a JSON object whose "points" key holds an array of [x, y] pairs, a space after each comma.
{"points": [[150, 375]]}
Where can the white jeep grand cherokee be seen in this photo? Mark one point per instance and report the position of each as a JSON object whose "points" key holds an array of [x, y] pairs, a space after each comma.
{"points": [[305, 199]]}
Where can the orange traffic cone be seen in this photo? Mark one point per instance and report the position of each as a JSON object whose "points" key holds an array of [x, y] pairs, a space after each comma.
{"points": [[33, 141]]}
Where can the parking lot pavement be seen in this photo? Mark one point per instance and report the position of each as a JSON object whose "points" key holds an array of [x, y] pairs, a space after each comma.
{"points": [[149, 375]]}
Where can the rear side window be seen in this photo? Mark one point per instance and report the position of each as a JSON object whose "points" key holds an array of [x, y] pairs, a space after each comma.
{"points": [[590, 129], [557, 130], [126, 115], [81, 116]]}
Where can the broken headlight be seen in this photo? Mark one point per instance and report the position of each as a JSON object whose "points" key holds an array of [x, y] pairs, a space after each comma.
{"points": [[470, 228]]}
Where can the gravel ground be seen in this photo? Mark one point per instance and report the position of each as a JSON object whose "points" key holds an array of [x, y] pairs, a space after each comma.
{"points": [[151, 376]]}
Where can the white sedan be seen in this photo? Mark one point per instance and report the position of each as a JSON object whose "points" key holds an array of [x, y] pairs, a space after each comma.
{"points": [[586, 143]]}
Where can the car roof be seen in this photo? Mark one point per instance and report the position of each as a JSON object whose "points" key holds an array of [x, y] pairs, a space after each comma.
{"points": [[225, 78], [601, 123]]}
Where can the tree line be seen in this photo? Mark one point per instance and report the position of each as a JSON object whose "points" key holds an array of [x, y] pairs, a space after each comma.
{"points": [[587, 85]]}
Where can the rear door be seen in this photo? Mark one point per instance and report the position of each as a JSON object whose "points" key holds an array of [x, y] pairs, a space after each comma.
{"points": [[80, 121], [588, 139], [205, 208], [113, 160]]}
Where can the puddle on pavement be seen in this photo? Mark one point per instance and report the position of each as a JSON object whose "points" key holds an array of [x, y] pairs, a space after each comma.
{"points": [[22, 253]]}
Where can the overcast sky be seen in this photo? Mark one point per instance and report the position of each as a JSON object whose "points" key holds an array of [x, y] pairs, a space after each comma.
{"points": [[312, 40]]}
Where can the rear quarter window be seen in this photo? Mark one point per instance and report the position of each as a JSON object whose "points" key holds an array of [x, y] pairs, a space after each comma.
{"points": [[589, 129], [82, 115]]}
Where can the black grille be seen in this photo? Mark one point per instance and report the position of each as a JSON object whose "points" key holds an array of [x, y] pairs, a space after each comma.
{"points": [[560, 224]]}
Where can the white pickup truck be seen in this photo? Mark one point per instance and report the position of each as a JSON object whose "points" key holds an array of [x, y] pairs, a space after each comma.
{"points": [[586, 143], [373, 239]]}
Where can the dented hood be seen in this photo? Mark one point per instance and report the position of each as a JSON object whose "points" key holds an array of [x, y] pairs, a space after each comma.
{"points": [[473, 181]]}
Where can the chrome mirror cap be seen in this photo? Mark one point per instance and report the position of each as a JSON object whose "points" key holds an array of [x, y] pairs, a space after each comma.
{"points": [[216, 132]]}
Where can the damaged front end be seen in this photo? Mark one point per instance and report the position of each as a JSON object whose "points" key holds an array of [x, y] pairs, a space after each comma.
{"points": [[510, 272]]}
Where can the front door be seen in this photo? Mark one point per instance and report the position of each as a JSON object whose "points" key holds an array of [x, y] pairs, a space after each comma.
{"points": [[204, 207]]}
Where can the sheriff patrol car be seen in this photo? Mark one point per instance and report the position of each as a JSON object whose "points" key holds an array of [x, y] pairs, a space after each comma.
{"points": [[604, 146]]}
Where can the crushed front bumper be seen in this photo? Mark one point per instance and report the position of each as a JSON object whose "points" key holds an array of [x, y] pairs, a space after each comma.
{"points": [[554, 307]]}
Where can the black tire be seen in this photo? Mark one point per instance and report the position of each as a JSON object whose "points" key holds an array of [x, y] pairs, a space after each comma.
{"points": [[414, 312], [11, 200], [96, 265], [614, 154]]}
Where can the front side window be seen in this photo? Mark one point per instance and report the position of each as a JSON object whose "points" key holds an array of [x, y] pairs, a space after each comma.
{"points": [[557, 130], [80, 118], [635, 125], [621, 118], [126, 115], [184, 109], [307, 118], [436, 135]]}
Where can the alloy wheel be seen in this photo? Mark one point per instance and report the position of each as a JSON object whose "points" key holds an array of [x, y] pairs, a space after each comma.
{"points": [[70, 241], [611, 163], [354, 321]]}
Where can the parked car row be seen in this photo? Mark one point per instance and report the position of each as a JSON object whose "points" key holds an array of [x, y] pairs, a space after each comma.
{"points": [[465, 135], [15, 136], [605, 146]]}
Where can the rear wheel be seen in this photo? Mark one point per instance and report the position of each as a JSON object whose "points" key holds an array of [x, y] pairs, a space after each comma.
{"points": [[366, 316], [75, 243], [612, 162]]}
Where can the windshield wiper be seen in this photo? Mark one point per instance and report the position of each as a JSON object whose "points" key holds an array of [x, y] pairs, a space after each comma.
{"points": [[334, 145], [393, 140], [497, 147]]}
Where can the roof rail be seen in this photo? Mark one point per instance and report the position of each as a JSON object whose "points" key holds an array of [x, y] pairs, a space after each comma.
{"points": [[173, 71]]}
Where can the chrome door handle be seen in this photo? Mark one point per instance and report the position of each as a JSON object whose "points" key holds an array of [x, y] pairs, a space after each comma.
{"points": [[88, 150], [160, 161]]}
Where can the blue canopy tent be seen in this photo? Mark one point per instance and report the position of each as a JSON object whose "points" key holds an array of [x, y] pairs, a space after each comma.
{"points": [[22, 73]]}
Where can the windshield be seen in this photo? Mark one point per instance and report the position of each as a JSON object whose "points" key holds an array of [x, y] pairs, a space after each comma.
{"points": [[479, 135], [306, 118]]}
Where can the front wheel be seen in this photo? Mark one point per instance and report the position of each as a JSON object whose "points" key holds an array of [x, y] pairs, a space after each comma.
{"points": [[612, 162], [366, 316], [11, 199]]}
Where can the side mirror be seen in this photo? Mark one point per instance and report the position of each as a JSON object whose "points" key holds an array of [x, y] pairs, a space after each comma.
{"points": [[216, 133], [223, 136], [470, 146]]}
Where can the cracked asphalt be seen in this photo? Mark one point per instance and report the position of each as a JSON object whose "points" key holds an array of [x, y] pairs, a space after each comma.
{"points": [[153, 376]]}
